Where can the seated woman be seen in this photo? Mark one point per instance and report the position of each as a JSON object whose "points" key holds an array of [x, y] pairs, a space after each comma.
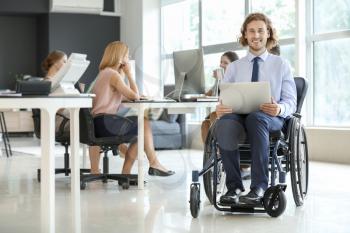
{"points": [[225, 60], [50, 66], [110, 89]]}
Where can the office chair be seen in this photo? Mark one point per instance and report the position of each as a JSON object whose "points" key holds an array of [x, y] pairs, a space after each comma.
{"points": [[62, 136], [87, 136]]}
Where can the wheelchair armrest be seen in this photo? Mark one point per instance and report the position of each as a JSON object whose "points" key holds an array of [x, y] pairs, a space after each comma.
{"points": [[291, 123], [298, 115]]}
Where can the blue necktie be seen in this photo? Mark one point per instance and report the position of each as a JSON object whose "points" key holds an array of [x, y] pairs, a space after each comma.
{"points": [[255, 73]]}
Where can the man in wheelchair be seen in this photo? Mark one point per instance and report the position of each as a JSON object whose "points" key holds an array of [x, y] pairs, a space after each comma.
{"points": [[258, 65]]}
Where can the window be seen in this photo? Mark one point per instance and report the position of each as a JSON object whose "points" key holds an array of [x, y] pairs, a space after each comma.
{"points": [[222, 21], [180, 23], [281, 13], [331, 87], [331, 71], [168, 71], [288, 53], [211, 62], [331, 15]]}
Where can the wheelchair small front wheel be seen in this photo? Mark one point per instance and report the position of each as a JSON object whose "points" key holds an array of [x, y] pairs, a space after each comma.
{"points": [[195, 200], [274, 201]]}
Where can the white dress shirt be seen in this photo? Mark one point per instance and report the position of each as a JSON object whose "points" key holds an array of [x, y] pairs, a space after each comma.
{"points": [[273, 69]]}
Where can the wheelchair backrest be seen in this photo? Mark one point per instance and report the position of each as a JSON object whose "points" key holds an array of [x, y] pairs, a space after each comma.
{"points": [[301, 86]]}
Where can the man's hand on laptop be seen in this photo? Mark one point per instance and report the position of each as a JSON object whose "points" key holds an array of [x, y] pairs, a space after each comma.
{"points": [[272, 109], [222, 110]]}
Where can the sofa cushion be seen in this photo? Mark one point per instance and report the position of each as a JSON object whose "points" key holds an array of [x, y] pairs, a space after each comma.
{"points": [[171, 118], [163, 127]]}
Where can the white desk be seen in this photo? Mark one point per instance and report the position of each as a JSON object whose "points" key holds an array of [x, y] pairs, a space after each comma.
{"points": [[49, 107], [140, 107]]}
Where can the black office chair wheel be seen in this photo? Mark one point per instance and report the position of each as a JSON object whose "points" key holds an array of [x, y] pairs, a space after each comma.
{"points": [[274, 201], [195, 200], [82, 185], [125, 185]]}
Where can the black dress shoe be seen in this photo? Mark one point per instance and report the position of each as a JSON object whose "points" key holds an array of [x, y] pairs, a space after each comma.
{"points": [[230, 197], [156, 172], [253, 197]]}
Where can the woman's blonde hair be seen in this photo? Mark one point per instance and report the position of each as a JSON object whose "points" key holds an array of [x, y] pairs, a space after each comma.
{"points": [[271, 41], [113, 54]]}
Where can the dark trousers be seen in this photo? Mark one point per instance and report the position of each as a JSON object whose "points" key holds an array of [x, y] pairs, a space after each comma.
{"points": [[232, 129]]}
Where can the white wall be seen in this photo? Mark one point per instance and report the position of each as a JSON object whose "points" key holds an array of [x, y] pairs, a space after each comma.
{"points": [[140, 29], [329, 145], [131, 32], [151, 47]]}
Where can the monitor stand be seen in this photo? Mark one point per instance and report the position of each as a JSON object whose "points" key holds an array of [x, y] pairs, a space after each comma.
{"points": [[65, 89], [179, 88]]}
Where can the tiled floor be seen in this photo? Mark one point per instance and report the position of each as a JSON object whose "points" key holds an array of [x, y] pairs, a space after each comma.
{"points": [[163, 205]]}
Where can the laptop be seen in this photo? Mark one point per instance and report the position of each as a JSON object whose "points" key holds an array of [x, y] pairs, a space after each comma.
{"points": [[245, 97]]}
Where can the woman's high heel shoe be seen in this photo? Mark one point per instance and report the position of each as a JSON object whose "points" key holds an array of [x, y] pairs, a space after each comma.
{"points": [[156, 172]]}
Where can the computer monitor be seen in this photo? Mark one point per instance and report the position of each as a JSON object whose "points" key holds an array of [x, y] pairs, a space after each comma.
{"points": [[189, 74], [62, 83]]}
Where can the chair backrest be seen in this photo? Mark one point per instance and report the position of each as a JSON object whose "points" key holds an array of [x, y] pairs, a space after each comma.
{"points": [[87, 128], [36, 121], [301, 86]]}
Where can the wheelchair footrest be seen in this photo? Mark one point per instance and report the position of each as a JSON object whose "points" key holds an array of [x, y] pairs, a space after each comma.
{"points": [[242, 205], [244, 208]]}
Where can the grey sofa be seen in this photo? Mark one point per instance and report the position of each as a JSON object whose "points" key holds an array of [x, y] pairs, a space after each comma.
{"points": [[169, 131]]}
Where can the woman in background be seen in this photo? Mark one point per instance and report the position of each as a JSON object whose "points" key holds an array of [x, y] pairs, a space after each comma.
{"points": [[53, 63], [50, 66], [225, 60]]}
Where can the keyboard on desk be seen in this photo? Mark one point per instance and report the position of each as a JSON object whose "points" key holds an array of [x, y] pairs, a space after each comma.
{"points": [[155, 99]]}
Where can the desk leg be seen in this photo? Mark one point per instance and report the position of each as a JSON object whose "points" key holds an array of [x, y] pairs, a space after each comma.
{"points": [[84, 147], [75, 169], [140, 146], [47, 170]]}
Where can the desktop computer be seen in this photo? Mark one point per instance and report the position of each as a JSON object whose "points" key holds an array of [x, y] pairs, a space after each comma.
{"points": [[189, 75]]}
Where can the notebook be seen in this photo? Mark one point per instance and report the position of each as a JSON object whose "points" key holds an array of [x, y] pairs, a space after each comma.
{"points": [[245, 97]]}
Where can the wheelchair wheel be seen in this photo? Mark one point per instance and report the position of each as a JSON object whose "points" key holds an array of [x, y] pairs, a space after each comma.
{"points": [[195, 200], [299, 163], [274, 201], [209, 150]]}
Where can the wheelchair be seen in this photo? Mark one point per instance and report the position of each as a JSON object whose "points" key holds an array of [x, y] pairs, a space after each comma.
{"points": [[288, 153]]}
